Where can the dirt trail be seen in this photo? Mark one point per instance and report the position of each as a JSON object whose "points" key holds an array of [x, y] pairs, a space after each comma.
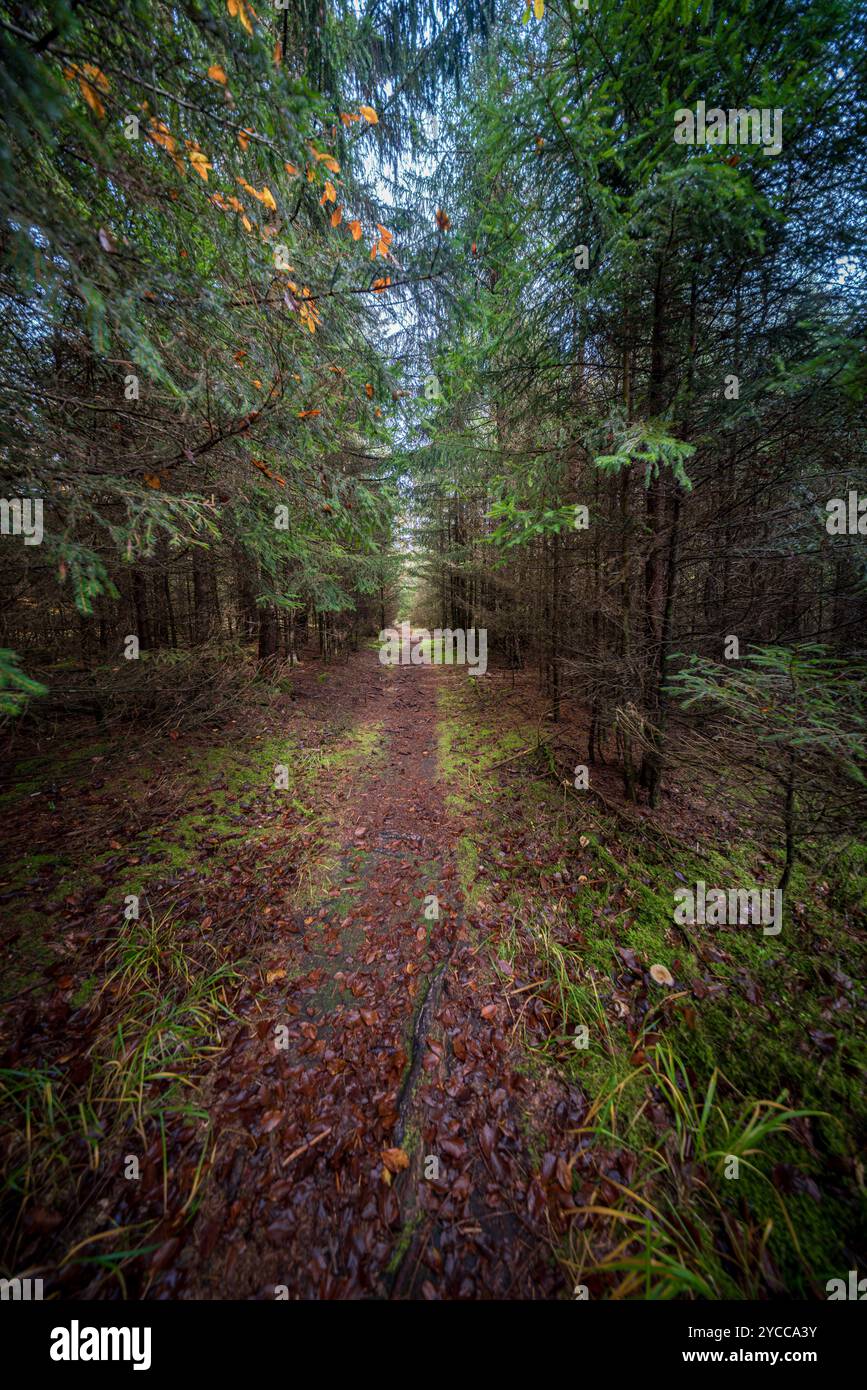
{"points": [[386, 1033]]}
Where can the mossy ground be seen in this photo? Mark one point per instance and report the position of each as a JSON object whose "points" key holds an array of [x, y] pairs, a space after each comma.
{"points": [[221, 784], [779, 1017], [554, 884], [170, 830]]}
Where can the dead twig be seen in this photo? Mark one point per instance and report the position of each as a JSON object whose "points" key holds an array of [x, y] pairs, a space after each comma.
{"points": [[296, 1153]]}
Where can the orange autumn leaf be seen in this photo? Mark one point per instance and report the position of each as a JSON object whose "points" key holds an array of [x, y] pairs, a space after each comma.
{"points": [[278, 54], [381, 245], [330, 193], [90, 82], [368, 389], [380, 285], [265, 196], [306, 414], [244, 137], [395, 1160], [307, 310], [92, 99], [217, 74], [199, 160], [151, 480], [263, 468], [336, 217], [347, 117], [239, 9], [291, 170], [257, 383], [369, 114], [159, 133], [322, 157], [355, 228], [98, 78], [443, 220]]}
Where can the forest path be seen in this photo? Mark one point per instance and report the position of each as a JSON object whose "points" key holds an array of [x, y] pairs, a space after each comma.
{"points": [[373, 1128]]}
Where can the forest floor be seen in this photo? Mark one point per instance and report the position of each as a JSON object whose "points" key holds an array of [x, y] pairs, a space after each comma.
{"points": [[389, 1029]]}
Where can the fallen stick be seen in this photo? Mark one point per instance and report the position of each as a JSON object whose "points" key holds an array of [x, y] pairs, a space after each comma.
{"points": [[309, 1145], [534, 748]]}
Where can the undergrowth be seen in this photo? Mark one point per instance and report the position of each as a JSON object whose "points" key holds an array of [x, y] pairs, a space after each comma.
{"points": [[720, 1152], [152, 1024]]}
